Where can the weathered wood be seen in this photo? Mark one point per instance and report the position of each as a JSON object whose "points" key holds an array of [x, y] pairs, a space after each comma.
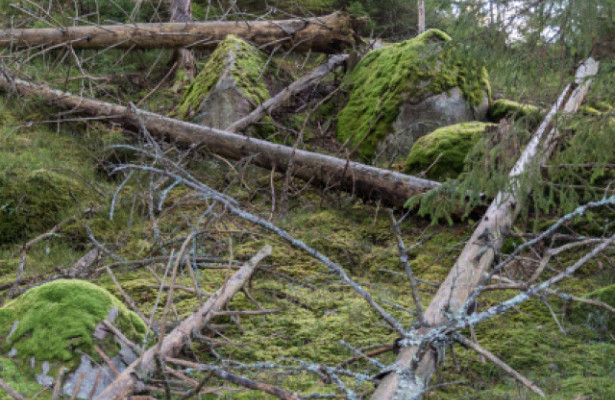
{"points": [[181, 11], [479, 252], [367, 182], [297, 86], [175, 341], [328, 34]]}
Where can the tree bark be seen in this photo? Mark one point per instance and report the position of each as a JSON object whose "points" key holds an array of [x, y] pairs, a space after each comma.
{"points": [[174, 342], [421, 15], [328, 34], [181, 11], [367, 182], [479, 252]]}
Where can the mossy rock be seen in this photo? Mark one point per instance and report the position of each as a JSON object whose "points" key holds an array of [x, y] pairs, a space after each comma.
{"points": [[230, 84], [34, 203], [56, 321], [504, 108], [407, 72], [444, 150], [595, 317]]}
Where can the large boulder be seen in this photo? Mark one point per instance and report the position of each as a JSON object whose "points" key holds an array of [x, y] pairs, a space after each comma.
{"points": [[404, 91], [57, 325], [442, 153], [228, 87]]}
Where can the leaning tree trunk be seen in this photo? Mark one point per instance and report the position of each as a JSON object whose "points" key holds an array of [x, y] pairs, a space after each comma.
{"points": [[479, 252], [365, 181], [329, 34], [181, 11]]}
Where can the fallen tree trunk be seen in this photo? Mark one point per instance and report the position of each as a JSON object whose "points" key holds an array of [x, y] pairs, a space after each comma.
{"points": [[404, 383], [367, 182], [292, 89], [123, 386], [328, 34]]}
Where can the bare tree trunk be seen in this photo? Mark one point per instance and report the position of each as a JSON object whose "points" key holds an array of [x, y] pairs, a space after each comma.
{"points": [[181, 11], [328, 34], [421, 15], [365, 181], [477, 256], [172, 344]]}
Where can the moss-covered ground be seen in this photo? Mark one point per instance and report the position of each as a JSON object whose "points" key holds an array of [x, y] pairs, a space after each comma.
{"points": [[52, 171]]}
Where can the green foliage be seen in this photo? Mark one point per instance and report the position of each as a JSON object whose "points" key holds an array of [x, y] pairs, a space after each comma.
{"points": [[57, 320], [20, 382], [426, 65], [443, 152], [248, 65]]}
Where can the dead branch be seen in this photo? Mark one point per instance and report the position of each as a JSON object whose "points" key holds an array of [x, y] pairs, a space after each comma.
{"points": [[10, 391], [176, 339], [409, 379], [494, 359], [365, 181], [297, 86], [329, 34]]}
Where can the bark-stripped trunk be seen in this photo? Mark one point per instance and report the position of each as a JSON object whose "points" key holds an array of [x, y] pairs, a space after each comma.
{"points": [[174, 342], [329, 34], [421, 15], [478, 254], [181, 11], [365, 181]]}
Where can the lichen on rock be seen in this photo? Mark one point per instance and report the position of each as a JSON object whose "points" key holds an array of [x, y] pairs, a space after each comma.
{"points": [[230, 84], [405, 73], [444, 151]]}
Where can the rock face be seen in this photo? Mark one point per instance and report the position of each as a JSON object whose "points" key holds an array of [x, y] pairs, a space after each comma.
{"points": [[442, 153], [404, 91], [230, 85], [57, 325]]}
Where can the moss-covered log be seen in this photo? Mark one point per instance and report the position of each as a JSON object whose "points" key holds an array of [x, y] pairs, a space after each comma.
{"points": [[329, 34], [365, 181]]}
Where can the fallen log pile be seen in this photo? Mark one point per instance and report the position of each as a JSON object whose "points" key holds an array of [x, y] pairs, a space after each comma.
{"points": [[367, 182]]}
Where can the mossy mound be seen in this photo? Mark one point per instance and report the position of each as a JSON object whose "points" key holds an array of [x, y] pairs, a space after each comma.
{"points": [[595, 317], [247, 67], [57, 320], [444, 150], [504, 108], [408, 71]]}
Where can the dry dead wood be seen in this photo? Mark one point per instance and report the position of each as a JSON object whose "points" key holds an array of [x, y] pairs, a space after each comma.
{"points": [[172, 344], [10, 391], [181, 11], [405, 382], [292, 89], [367, 182], [328, 34]]}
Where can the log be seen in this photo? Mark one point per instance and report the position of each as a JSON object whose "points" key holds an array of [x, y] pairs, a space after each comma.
{"points": [[297, 86], [367, 182], [478, 255], [174, 342], [328, 34]]}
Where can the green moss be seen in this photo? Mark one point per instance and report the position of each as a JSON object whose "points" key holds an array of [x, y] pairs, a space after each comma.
{"points": [[414, 69], [595, 317], [57, 320], [504, 108], [247, 68], [444, 150], [21, 383]]}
